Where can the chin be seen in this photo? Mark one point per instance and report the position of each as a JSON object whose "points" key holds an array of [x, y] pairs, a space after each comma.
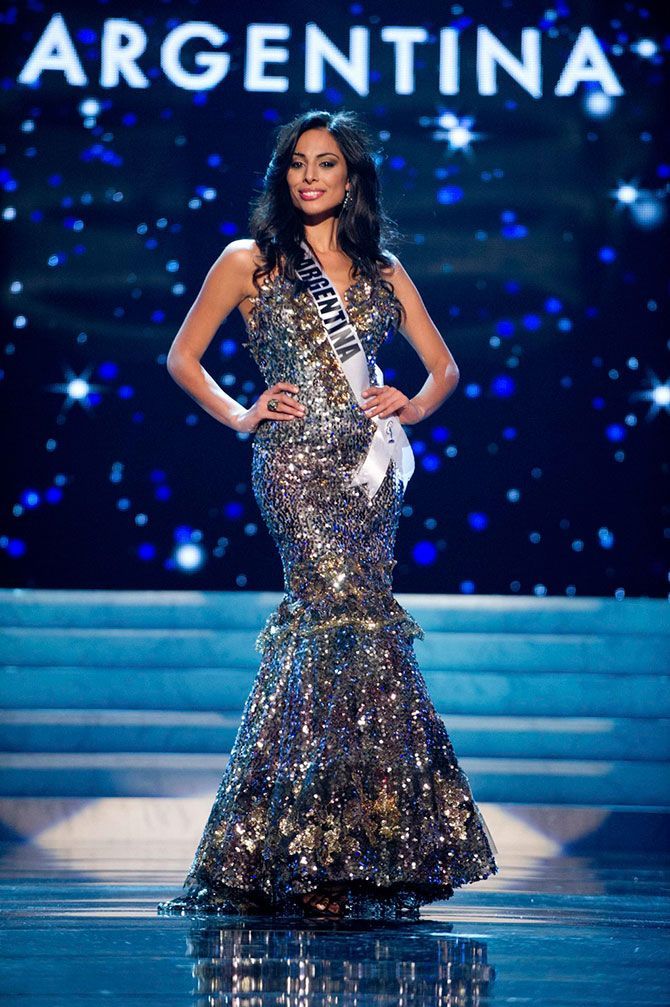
{"points": [[318, 205]]}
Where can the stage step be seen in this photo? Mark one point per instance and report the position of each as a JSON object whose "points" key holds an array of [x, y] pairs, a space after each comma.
{"points": [[227, 649], [481, 614], [72, 730], [139, 694], [158, 774], [225, 688]]}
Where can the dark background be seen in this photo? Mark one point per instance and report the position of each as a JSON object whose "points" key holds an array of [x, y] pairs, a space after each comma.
{"points": [[544, 473]]}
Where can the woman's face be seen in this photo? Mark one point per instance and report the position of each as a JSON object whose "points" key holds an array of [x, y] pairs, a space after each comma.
{"points": [[317, 174]]}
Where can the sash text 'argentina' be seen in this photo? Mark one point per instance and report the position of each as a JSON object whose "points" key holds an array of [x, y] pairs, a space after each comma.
{"points": [[337, 326]]}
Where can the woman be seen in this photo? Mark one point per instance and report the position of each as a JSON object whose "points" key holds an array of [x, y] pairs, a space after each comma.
{"points": [[342, 795]]}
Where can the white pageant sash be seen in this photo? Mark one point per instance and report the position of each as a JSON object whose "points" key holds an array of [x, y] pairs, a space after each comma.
{"points": [[389, 440]]}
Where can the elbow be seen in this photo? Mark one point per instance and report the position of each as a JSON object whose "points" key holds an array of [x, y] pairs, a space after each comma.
{"points": [[173, 364], [453, 373]]}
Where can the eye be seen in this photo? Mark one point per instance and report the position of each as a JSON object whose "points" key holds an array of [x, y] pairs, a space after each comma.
{"points": [[329, 164]]}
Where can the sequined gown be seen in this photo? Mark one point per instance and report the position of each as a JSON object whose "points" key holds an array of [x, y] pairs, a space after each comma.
{"points": [[341, 769]]}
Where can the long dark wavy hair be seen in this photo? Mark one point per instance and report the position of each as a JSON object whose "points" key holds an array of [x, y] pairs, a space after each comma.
{"points": [[363, 227]]}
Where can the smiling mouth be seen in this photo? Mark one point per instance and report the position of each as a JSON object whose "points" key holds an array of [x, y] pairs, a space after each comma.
{"points": [[311, 194]]}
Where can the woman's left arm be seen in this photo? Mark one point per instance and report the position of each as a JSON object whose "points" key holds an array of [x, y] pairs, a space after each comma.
{"points": [[420, 332]]}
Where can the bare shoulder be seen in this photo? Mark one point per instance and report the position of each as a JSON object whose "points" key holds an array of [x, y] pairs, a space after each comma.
{"points": [[240, 257], [388, 271], [398, 275], [235, 266]]}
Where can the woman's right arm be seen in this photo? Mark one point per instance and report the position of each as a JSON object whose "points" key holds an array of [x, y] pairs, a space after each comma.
{"points": [[226, 284]]}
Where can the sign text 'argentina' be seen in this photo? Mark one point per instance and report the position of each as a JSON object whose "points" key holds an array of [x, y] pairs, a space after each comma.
{"points": [[123, 43]]}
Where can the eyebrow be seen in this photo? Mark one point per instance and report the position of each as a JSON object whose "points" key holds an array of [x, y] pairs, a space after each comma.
{"points": [[299, 153]]}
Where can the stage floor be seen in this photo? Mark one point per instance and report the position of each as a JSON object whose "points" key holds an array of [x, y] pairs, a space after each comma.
{"points": [[79, 926]]}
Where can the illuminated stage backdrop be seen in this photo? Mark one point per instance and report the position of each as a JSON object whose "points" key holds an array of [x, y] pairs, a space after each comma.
{"points": [[520, 156]]}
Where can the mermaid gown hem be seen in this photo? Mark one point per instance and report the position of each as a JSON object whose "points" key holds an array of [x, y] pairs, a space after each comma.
{"points": [[342, 770]]}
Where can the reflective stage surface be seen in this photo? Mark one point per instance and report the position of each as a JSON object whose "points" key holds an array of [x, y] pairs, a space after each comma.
{"points": [[80, 927]]}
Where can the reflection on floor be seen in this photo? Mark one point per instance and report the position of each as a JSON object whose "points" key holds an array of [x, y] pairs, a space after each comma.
{"points": [[80, 927]]}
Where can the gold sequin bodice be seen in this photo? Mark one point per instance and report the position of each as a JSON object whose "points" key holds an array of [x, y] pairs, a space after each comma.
{"points": [[289, 343]]}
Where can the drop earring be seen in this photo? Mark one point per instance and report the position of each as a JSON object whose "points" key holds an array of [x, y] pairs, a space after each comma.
{"points": [[346, 199]]}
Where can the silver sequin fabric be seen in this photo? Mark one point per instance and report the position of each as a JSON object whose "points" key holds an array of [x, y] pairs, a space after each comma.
{"points": [[342, 771]]}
